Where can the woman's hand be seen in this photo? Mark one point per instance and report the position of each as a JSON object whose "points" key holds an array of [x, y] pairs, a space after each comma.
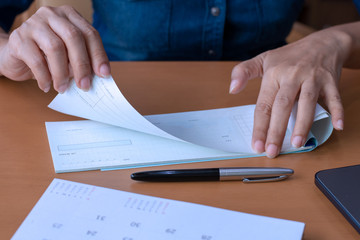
{"points": [[52, 46], [307, 69]]}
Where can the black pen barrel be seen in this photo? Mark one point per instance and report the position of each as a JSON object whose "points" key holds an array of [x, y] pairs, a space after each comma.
{"points": [[209, 174]]}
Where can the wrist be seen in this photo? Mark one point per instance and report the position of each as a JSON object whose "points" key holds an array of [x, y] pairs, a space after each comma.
{"points": [[347, 43], [343, 43], [337, 42]]}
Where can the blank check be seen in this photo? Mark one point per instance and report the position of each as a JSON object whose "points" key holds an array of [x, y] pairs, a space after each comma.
{"points": [[116, 136]]}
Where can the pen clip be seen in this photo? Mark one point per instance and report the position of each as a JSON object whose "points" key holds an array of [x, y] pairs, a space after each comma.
{"points": [[265, 179], [253, 175]]}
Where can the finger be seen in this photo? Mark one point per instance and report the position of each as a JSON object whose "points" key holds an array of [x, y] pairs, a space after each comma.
{"points": [[262, 114], [55, 54], [99, 60], [280, 114], [333, 101], [305, 113], [76, 50], [71, 72], [243, 72], [31, 55]]}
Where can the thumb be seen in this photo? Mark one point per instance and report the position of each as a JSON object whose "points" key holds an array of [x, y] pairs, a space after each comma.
{"points": [[245, 71]]}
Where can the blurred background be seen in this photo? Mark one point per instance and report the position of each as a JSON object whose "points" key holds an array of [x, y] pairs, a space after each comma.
{"points": [[316, 14]]}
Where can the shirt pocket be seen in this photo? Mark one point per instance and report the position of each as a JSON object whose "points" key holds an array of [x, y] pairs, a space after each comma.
{"points": [[141, 25]]}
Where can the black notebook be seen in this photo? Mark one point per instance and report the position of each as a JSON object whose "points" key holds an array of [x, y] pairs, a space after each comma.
{"points": [[342, 187]]}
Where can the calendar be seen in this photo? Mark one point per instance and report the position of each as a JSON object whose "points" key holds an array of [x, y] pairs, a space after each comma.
{"points": [[75, 211]]}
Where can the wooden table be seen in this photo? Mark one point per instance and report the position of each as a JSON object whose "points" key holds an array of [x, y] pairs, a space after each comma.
{"points": [[26, 167]]}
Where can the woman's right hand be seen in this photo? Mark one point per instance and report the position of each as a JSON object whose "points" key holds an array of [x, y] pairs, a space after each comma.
{"points": [[52, 46]]}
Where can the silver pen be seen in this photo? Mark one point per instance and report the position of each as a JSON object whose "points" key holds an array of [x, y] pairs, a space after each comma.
{"points": [[245, 174]]}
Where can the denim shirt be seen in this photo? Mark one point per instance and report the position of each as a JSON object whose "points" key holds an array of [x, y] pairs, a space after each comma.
{"points": [[193, 29], [184, 29]]}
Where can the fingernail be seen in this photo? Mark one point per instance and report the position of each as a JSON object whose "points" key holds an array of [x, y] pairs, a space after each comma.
{"points": [[62, 88], [85, 83], [259, 146], [105, 70], [46, 89], [297, 142], [340, 125], [233, 85], [272, 151]]}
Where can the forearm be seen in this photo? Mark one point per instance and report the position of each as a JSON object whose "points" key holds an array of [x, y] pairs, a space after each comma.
{"points": [[348, 42]]}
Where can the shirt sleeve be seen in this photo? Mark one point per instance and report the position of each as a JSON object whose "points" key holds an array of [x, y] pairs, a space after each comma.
{"points": [[9, 9]]}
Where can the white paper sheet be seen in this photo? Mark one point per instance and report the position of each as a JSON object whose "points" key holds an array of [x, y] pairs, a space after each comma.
{"points": [[75, 211], [104, 103]]}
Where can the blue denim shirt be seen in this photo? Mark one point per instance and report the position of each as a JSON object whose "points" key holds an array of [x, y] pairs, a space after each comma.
{"points": [[193, 29], [184, 29]]}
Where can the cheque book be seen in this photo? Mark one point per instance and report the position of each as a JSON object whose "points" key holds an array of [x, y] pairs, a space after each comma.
{"points": [[116, 136], [75, 211]]}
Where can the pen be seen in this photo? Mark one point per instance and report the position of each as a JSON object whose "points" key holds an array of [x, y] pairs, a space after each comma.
{"points": [[245, 174]]}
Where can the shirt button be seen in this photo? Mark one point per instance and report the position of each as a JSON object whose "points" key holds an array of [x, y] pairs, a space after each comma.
{"points": [[211, 52], [215, 11]]}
